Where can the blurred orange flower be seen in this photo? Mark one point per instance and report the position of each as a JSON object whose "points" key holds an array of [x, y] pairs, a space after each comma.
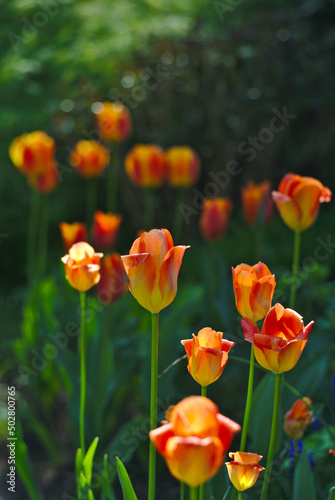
{"points": [[105, 229], [297, 418], [114, 121], [113, 282], [72, 233], [194, 440], [145, 165], [214, 218], [89, 158], [254, 198], [207, 355], [47, 182], [244, 469], [279, 345], [332, 451], [33, 153], [152, 267], [82, 266], [298, 200], [253, 288], [182, 166]]}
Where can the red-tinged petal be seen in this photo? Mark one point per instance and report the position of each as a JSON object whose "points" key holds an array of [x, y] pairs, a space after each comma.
{"points": [[188, 346], [249, 329], [134, 259], [226, 345], [280, 197], [269, 342], [326, 195], [160, 436], [169, 274], [210, 366], [227, 430]]}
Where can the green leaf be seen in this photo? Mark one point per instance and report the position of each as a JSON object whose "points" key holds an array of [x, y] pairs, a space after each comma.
{"points": [[303, 483], [88, 460], [331, 494], [79, 462], [90, 495], [24, 466], [227, 493], [127, 488]]}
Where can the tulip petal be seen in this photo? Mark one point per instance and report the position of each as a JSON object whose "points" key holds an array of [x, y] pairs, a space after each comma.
{"points": [[249, 329], [134, 260], [160, 436], [169, 274], [227, 430]]}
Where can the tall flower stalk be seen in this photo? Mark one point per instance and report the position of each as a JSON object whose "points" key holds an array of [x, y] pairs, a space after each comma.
{"points": [[153, 402]]}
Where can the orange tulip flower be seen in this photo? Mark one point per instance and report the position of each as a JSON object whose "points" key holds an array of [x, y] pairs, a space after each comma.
{"points": [[298, 200], [72, 233], [113, 282], [145, 165], [82, 266], [33, 153], [89, 158], [214, 218], [182, 166], [152, 268], [297, 418], [114, 121], [253, 288], [47, 182], [207, 355], [105, 230], [194, 440], [253, 199], [279, 345], [244, 469], [332, 451]]}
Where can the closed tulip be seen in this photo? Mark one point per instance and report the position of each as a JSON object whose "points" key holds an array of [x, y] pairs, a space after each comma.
{"points": [[114, 121], [145, 165], [89, 158], [194, 440], [254, 198], [47, 182], [297, 418], [253, 288], [72, 233], [207, 355], [244, 469], [182, 166], [82, 266], [279, 345], [214, 218], [113, 283], [298, 200], [152, 267], [33, 153], [105, 230]]}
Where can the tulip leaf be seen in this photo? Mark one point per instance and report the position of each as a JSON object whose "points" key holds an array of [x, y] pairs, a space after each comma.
{"points": [[127, 488], [303, 483], [79, 461], [226, 496], [331, 494], [88, 460]]}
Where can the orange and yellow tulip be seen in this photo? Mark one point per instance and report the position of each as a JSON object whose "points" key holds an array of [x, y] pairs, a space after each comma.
{"points": [[82, 266], [47, 182], [152, 267], [279, 345], [89, 158], [113, 283], [182, 166], [33, 153], [72, 233], [253, 288], [244, 469], [114, 121], [105, 230], [194, 439], [297, 418], [145, 165], [254, 197], [207, 355], [298, 200], [214, 218]]}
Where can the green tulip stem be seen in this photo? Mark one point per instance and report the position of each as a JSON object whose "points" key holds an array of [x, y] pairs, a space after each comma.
{"points": [[239, 495], [204, 391], [272, 436], [296, 253], [82, 374], [43, 236], [153, 403], [193, 493], [249, 400], [35, 198], [182, 490]]}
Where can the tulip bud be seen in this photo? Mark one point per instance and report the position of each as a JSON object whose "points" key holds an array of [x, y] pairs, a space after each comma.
{"points": [[214, 218], [244, 469], [113, 283], [182, 166], [114, 121], [72, 233], [82, 266], [33, 153], [89, 158], [105, 230], [297, 418], [254, 199], [145, 165]]}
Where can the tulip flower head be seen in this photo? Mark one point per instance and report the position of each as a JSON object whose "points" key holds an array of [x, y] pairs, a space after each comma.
{"points": [[72, 233], [152, 267], [214, 218], [113, 283], [145, 165], [297, 418], [279, 345], [253, 200], [33, 153], [89, 158], [105, 230], [244, 469], [332, 451], [114, 121], [298, 200], [82, 266], [45, 183], [182, 166], [253, 288], [207, 355], [194, 440]]}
